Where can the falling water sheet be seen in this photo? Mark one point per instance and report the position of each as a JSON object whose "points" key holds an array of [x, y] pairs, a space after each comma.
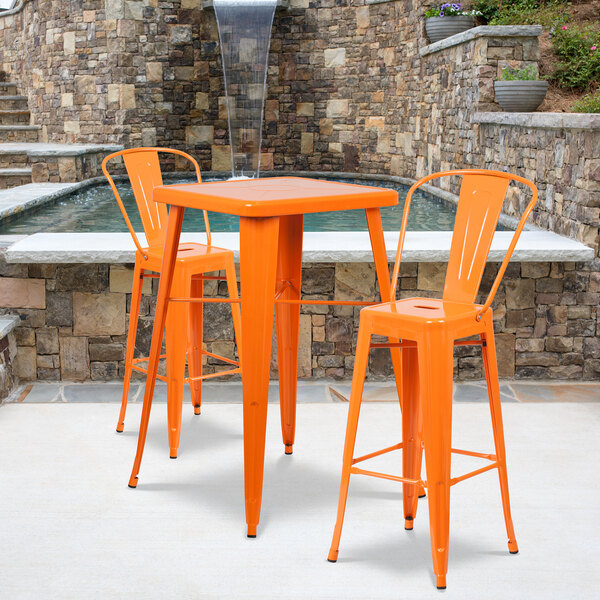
{"points": [[245, 37]]}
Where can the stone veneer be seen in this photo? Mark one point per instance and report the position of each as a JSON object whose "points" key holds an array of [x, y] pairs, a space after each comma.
{"points": [[74, 320], [8, 352]]}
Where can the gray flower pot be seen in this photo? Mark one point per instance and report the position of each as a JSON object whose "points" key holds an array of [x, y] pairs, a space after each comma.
{"points": [[520, 96], [438, 28]]}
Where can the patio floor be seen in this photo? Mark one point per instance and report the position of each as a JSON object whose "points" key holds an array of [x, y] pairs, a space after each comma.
{"points": [[71, 528]]}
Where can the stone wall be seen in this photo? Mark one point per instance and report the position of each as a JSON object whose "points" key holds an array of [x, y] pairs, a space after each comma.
{"points": [[8, 351], [74, 320]]}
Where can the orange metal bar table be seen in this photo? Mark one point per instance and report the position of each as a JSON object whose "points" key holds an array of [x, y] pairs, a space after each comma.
{"points": [[271, 215]]}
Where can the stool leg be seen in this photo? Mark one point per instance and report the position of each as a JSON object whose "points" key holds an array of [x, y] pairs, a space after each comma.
{"points": [[195, 342], [134, 312], [411, 416], [435, 352], [177, 329], [236, 315], [358, 382], [491, 375]]}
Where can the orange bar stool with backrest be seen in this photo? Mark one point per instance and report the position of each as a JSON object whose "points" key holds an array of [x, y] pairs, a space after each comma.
{"points": [[184, 322], [429, 329]]}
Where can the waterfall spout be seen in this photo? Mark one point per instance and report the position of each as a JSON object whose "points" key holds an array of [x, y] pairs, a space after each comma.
{"points": [[245, 36]]}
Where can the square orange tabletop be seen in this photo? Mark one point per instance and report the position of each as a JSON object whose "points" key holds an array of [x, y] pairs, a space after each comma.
{"points": [[276, 196]]}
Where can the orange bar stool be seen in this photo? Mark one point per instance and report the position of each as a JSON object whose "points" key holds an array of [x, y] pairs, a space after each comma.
{"points": [[429, 329], [184, 321]]}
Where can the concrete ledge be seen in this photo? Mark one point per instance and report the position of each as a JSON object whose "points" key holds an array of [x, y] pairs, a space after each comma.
{"points": [[539, 120], [7, 324], [30, 195], [482, 31], [345, 247], [209, 4], [40, 149]]}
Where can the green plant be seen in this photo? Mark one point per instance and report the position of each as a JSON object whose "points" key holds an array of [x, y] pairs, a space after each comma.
{"points": [[547, 13], [588, 104], [528, 73], [450, 9], [578, 50]]}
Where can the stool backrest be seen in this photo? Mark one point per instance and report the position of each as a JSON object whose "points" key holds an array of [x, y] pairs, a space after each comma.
{"points": [[143, 169], [482, 195]]}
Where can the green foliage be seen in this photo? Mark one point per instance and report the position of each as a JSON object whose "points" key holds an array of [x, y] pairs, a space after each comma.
{"points": [[588, 104], [578, 50], [528, 73], [451, 9], [547, 13]]}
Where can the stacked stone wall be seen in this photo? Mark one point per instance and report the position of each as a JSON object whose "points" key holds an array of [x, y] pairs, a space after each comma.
{"points": [[74, 320]]}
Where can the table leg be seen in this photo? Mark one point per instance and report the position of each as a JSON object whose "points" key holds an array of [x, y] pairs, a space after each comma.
{"points": [[287, 319], [258, 264], [162, 302], [384, 280]]}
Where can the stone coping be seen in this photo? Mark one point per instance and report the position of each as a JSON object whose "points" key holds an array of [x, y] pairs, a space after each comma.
{"points": [[40, 149], [8, 323], [327, 247], [281, 4], [482, 31], [15, 9], [30, 195], [539, 120]]}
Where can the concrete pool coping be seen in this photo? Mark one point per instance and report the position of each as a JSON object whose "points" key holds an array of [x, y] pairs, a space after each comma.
{"points": [[319, 247], [535, 245]]}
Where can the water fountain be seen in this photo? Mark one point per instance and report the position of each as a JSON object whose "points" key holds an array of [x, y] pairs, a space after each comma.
{"points": [[245, 37]]}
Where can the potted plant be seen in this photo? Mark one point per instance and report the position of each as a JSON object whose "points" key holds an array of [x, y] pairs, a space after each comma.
{"points": [[520, 90], [448, 19]]}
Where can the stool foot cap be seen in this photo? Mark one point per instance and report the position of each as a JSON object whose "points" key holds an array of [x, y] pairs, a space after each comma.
{"points": [[441, 582], [331, 560], [133, 482], [173, 453], [120, 427], [512, 547], [251, 531], [197, 410], [289, 449], [408, 523], [423, 495]]}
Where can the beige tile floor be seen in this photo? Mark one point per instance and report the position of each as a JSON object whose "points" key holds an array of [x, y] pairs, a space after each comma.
{"points": [[71, 528]]}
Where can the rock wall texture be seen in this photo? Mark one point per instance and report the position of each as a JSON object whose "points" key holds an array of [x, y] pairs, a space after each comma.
{"points": [[74, 320]]}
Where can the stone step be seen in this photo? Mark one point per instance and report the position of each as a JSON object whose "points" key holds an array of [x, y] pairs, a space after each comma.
{"points": [[8, 87], [13, 102], [19, 133], [15, 117], [13, 160], [13, 177]]}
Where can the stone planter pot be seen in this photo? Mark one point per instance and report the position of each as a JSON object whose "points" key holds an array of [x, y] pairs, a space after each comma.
{"points": [[438, 28], [520, 96]]}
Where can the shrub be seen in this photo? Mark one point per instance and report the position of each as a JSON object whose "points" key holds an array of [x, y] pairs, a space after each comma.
{"points": [[528, 73], [578, 50], [588, 104], [547, 13]]}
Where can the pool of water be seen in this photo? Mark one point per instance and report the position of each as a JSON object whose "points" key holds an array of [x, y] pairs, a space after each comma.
{"points": [[94, 209]]}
